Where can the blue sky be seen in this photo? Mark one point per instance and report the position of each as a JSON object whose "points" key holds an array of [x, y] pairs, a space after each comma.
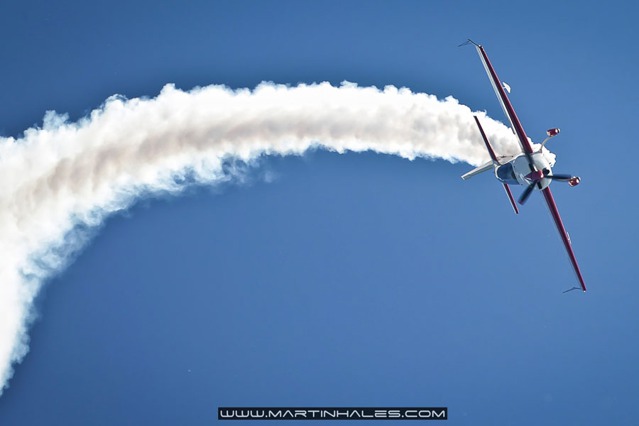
{"points": [[344, 280]]}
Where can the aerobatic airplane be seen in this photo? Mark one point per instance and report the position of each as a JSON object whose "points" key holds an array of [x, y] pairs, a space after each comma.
{"points": [[533, 169]]}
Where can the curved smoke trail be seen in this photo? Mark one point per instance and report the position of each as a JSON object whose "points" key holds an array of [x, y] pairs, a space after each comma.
{"points": [[64, 178]]}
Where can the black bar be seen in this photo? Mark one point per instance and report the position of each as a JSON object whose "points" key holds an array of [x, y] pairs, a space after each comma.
{"points": [[332, 413]]}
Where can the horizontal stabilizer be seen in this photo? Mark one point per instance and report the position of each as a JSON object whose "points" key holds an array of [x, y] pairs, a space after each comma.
{"points": [[478, 170]]}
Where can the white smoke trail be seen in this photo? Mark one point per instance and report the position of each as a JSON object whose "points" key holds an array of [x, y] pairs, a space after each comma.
{"points": [[67, 177]]}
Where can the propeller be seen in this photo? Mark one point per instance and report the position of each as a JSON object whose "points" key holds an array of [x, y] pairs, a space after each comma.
{"points": [[524, 196], [536, 177], [561, 178]]}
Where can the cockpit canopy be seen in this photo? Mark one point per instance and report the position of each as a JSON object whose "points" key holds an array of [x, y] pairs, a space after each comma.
{"points": [[506, 174]]}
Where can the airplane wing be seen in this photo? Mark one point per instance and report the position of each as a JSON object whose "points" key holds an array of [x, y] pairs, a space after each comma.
{"points": [[495, 161], [564, 235], [504, 101]]}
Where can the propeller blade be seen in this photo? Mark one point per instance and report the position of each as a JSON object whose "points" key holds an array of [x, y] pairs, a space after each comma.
{"points": [[562, 178], [526, 193]]}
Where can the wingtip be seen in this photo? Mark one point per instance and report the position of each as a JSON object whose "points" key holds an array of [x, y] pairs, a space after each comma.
{"points": [[469, 41], [573, 289]]}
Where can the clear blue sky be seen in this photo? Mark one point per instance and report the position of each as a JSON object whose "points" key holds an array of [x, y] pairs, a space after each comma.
{"points": [[349, 280]]}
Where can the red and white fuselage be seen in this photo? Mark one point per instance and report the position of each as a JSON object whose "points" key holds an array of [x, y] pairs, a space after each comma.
{"points": [[517, 171]]}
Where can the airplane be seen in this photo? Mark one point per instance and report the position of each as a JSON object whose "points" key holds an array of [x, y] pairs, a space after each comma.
{"points": [[532, 168]]}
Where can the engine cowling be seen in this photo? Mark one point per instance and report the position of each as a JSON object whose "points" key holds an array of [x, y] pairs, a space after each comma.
{"points": [[574, 181], [552, 132]]}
